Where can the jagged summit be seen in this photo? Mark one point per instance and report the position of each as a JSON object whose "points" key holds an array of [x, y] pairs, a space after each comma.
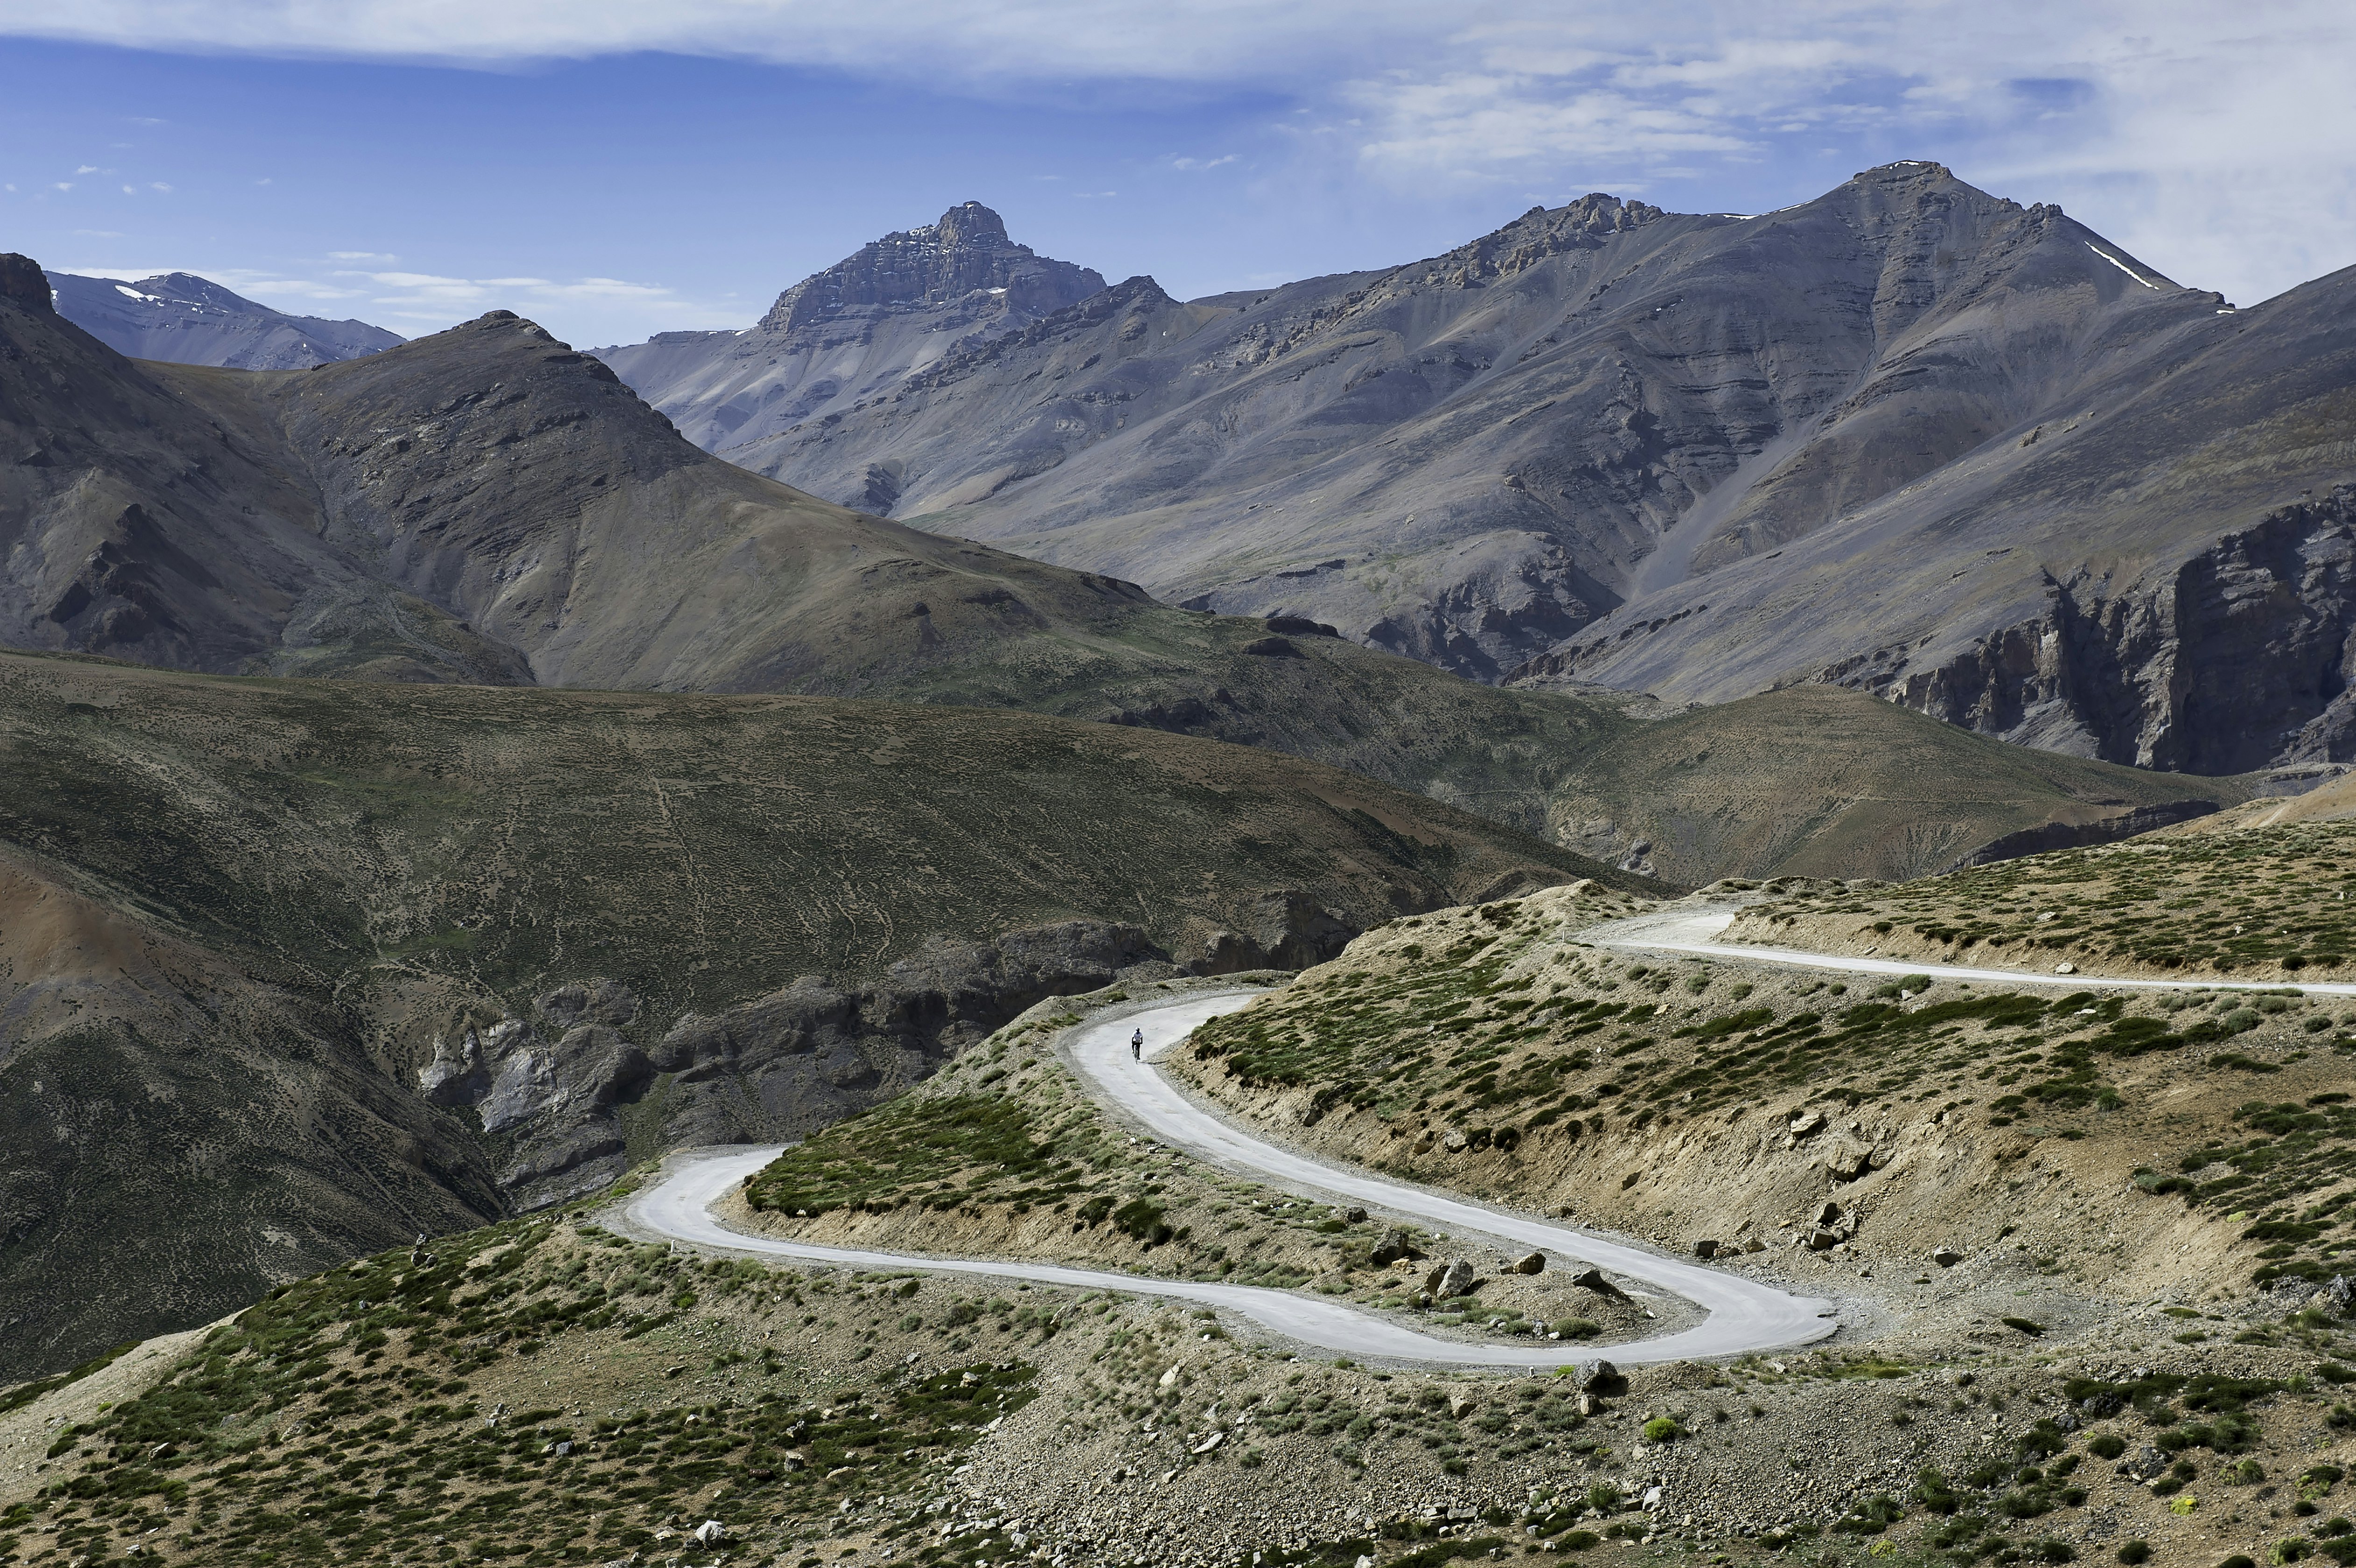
{"points": [[965, 250], [854, 332]]}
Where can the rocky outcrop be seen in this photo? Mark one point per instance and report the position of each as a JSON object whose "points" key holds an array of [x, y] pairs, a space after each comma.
{"points": [[23, 284]]}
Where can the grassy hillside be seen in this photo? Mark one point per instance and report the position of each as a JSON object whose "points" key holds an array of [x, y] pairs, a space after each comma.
{"points": [[247, 914], [1815, 781]]}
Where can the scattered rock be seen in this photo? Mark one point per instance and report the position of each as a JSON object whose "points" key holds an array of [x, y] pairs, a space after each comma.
{"points": [[1393, 1246], [1846, 1158], [1455, 1279], [1455, 1142], [2065, 968], [1589, 1279], [1946, 1256], [1461, 1405], [1602, 1379], [1534, 1262], [1706, 1250], [1807, 1123], [1354, 1216], [711, 1532], [2338, 1296]]}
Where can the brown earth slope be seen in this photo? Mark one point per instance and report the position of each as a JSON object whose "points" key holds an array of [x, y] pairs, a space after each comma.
{"points": [[301, 966]]}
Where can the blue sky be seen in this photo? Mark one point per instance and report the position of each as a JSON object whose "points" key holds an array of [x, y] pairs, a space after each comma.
{"points": [[614, 169]]}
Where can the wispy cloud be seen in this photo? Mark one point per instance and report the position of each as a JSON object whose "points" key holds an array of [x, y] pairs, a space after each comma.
{"points": [[434, 297], [1198, 166]]}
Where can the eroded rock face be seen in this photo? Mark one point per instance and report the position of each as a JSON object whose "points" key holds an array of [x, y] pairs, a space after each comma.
{"points": [[567, 1099], [2241, 655]]}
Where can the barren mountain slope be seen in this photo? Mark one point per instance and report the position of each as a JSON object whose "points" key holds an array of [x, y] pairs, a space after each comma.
{"points": [[2158, 572], [189, 320], [1907, 436], [1469, 457], [301, 966]]}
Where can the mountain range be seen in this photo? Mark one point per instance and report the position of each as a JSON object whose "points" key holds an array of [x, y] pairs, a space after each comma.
{"points": [[486, 506], [1906, 437], [184, 319]]}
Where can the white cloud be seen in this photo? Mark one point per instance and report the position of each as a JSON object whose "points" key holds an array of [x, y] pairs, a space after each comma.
{"points": [[160, 184], [361, 256], [1198, 166], [91, 169]]}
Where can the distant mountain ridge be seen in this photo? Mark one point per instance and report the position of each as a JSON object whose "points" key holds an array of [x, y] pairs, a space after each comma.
{"points": [[1694, 453], [183, 319], [893, 307]]}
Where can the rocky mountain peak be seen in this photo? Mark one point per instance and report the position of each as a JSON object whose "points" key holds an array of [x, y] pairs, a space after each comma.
{"points": [[969, 223], [1904, 171], [965, 250], [23, 284]]}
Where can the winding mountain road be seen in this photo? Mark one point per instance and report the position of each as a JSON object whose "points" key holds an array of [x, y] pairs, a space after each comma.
{"points": [[1695, 932], [1744, 1315]]}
